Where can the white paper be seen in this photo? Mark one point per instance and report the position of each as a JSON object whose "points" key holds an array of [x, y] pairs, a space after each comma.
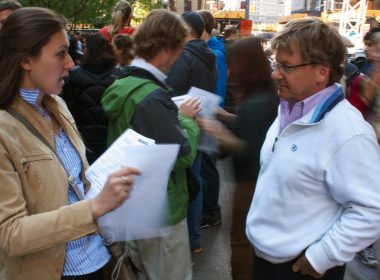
{"points": [[209, 104], [112, 160], [131, 137], [144, 214], [209, 101], [178, 100]]}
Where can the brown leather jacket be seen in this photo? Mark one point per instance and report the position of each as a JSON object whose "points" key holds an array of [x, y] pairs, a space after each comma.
{"points": [[35, 220]]}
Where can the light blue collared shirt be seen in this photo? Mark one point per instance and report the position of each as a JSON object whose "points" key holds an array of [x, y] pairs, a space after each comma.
{"points": [[87, 254], [303, 107]]}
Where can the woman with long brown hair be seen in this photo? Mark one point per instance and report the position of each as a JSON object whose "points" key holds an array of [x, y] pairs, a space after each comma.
{"points": [[250, 72], [47, 229]]}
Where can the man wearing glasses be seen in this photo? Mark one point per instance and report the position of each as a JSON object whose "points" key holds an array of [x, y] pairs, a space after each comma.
{"points": [[317, 197]]}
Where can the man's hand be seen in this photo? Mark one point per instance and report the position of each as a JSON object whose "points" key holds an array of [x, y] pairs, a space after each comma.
{"points": [[190, 107], [303, 266]]}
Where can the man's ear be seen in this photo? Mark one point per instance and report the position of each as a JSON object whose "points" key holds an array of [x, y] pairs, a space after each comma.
{"points": [[26, 63], [323, 73]]}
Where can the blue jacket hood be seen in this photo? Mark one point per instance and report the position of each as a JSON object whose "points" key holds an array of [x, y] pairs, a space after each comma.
{"points": [[215, 44]]}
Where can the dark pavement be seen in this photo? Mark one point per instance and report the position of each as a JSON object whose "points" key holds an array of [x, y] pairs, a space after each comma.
{"points": [[214, 263]]}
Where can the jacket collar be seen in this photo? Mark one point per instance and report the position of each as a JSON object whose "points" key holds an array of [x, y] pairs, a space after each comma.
{"points": [[157, 73], [318, 113], [327, 105]]}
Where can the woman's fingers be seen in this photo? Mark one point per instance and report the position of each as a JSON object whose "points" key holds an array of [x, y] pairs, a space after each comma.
{"points": [[115, 191], [125, 171]]}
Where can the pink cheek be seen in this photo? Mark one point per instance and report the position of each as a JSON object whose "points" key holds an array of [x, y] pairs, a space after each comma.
{"points": [[276, 75]]}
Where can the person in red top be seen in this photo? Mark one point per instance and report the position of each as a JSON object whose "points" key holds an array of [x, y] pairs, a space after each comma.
{"points": [[121, 17]]}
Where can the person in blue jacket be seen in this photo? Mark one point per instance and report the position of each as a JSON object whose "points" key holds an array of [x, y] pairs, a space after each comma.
{"points": [[217, 47]]}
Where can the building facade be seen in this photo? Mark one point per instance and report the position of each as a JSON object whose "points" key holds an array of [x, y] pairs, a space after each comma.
{"points": [[267, 10], [304, 5]]}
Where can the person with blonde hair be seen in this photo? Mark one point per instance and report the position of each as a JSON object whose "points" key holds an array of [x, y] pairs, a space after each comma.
{"points": [[121, 17], [317, 196]]}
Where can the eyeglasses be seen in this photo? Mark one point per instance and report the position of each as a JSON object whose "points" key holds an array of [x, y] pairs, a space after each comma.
{"points": [[283, 68]]}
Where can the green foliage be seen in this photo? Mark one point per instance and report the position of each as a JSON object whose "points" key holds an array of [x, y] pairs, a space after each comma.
{"points": [[93, 12], [143, 7], [149, 5]]}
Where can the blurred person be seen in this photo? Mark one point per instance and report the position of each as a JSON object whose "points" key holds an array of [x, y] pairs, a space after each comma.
{"points": [[371, 93], [269, 55], [230, 34], [84, 88], [196, 64], [212, 215], [6, 8], [352, 85], [47, 230], [317, 196], [251, 72], [141, 100], [364, 64], [78, 37], [352, 81], [265, 40], [216, 33], [121, 17], [217, 47], [124, 48], [194, 68], [73, 50]]}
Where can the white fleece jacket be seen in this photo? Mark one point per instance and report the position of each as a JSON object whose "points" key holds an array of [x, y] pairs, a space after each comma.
{"points": [[318, 189]]}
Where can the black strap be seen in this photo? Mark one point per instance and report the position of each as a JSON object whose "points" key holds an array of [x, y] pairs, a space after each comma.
{"points": [[71, 179]]}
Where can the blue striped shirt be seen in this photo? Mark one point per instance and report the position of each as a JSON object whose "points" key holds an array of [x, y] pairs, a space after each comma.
{"points": [[86, 254]]}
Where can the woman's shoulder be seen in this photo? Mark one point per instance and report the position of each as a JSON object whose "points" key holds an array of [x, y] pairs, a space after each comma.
{"points": [[6, 120], [104, 29], [127, 30], [105, 32]]}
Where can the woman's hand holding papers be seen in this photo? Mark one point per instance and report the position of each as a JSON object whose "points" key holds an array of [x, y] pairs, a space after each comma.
{"points": [[115, 191]]}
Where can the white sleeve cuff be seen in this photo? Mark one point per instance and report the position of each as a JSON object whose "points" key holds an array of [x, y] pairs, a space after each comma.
{"points": [[318, 258]]}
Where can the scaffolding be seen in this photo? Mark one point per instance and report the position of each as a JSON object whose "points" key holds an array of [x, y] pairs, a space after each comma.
{"points": [[352, 18]]}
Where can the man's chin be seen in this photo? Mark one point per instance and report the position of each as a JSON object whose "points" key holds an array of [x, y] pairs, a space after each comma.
{"points": [[282, 94]]}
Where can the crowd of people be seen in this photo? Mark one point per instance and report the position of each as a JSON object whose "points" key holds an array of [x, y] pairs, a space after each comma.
{"points": [[302, 129]]}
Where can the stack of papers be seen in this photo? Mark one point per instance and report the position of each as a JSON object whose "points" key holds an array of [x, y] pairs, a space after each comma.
{"points": [[209, 105], [144, 213]]}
